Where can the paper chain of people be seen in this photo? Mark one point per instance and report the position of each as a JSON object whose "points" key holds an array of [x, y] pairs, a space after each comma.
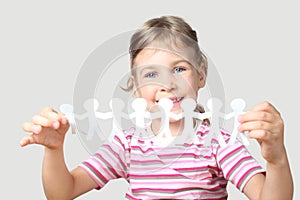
{"points": [[143, 118]]}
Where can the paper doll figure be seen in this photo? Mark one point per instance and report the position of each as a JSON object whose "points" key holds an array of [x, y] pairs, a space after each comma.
{"points": [[91, 106], [237, 105], [165, 114], [116, 105], [140, 113], [188, 106], [214, 105], [68, 110]]}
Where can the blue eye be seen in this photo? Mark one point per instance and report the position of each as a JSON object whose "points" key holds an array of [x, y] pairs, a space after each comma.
{"points": [[179, 69], [151, 75]]}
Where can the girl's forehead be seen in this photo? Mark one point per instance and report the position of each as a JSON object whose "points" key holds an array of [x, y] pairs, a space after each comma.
{"points": [[161, 56]]}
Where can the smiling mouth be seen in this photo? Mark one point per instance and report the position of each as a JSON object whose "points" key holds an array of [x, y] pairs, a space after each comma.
{"points": [[173, 99]]}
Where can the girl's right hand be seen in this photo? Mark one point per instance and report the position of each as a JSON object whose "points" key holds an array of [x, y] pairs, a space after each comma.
{"points": [[47, 128]]}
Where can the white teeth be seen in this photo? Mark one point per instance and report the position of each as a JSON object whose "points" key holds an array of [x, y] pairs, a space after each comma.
{"points": [[177, 99], [174, 100]]}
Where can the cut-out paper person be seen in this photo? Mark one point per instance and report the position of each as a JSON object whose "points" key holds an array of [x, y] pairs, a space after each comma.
{"points": [[237, 105], [188, 106], [116, 105], [68, 110], [139, 105], [214, 106], [91, 106], [165, 114]]}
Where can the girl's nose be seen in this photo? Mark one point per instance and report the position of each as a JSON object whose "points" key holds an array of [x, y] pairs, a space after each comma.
{"points": [[165, 88], [168, 83]]}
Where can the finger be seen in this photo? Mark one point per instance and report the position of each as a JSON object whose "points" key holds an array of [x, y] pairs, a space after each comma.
{"points": [[27, 140], [42, 121], [30, 127], [259, 134], [50, 114], [256, 116], [47, 110], [265, 106], [254, 125], [64, 124], [54, 115], [62, 118]]}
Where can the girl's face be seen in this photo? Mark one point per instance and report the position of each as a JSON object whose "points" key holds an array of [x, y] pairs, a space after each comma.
{"points": [[163, 74]]}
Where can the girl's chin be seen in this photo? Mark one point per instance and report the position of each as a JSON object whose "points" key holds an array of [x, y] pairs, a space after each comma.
{"points": [[176, 109]]}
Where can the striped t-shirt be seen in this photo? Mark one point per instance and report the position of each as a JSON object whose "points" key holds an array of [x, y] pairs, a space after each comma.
{"points": [[175, 171]]}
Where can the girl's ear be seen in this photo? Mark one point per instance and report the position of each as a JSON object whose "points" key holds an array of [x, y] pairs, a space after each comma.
{"points": [[201, 79], [133, 83]]}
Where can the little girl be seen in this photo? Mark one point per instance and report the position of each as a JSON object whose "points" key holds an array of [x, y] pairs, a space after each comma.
{"points": [[166, 62]]}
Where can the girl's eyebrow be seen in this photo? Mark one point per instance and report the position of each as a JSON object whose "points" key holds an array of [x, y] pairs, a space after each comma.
{"points": [[154, 66], [179, 61], [147, 67]]}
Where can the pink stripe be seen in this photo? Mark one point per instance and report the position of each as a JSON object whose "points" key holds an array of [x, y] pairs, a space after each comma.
{"points": [[130, 196], [234, 158], [107, 165], [163, 189], [183, 193], [243, 170], [167, 196], [155, 175], [145, 161], [237, 164], [179, 155], [134, 147], [119, 141], [229, 154], [246, 174], [104, 171], [171, 183], [194, 168], [116, 155], [96, 172], [185, 162]]}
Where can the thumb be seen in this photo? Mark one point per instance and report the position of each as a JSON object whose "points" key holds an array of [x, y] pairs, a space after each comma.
{"points": [[27, 140]]}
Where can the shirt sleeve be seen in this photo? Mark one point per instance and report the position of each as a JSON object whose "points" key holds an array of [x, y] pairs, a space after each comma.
{"points": [[237, 164], [109, 162]]}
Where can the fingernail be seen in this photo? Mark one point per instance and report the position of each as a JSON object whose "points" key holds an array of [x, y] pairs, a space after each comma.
{"points": [[36, 129], [55, 124], [22, 143], [64, 121], [240, 118], [239, 129]]}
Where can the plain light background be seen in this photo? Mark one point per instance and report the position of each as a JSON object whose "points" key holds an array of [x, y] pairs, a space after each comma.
{"points": [[254, 45]]}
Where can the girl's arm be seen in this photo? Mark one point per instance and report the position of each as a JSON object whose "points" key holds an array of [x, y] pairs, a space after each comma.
{"points": [[265, 124], [48, 129], [58, 182]]}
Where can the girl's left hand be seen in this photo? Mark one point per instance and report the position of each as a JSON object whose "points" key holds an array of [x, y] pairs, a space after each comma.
{"points": [[264, 123]]}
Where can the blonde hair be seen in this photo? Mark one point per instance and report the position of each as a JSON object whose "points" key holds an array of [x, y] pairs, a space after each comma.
{"points": [[170, 31]]}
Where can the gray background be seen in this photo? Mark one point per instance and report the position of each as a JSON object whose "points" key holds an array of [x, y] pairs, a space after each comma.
{"points": [[254, 44]]}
